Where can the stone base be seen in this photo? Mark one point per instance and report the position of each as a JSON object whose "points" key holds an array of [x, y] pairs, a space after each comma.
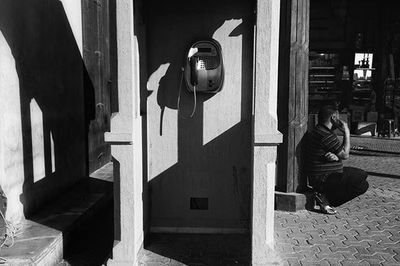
{"points": [[268, 257], [293, 202]]}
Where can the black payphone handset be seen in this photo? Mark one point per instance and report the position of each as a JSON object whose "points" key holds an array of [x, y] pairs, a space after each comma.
{"points": [[203, 70]]}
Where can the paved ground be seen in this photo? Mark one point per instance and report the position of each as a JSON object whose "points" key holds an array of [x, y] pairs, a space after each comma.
{"points": [[382, 145], [366, 231], [196, 250]]}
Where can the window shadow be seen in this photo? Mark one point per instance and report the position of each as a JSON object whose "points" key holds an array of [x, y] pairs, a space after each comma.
{"points": [[51, 72], [53, 76]]}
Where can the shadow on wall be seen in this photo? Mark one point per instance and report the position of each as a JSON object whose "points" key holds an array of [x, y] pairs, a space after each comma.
{"points": [[47, 104], [208, 155]]}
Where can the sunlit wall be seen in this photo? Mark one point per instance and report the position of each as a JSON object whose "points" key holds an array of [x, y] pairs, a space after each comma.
{"points": [[207, 156], [42, 112]]}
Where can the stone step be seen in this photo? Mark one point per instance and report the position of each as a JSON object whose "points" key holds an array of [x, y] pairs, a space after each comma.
{"points": [[44, 236]]}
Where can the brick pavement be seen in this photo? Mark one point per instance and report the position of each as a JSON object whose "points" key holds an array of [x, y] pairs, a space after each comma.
{"points": [[376, 144], [366, 230]]}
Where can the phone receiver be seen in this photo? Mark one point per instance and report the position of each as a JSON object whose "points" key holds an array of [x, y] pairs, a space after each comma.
{"points": [[194, 79]]}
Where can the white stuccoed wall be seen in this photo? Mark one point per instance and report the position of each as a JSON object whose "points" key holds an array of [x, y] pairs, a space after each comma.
{"points": [[207, 155], [11, 145], [11, 156], [73, 10]]}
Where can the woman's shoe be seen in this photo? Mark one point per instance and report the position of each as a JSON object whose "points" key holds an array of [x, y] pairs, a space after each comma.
{"points": [[323, 204]]}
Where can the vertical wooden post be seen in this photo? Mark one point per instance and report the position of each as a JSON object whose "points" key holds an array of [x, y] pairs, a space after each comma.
{"points": [[125, 139], [293, 91], [266, 134]]}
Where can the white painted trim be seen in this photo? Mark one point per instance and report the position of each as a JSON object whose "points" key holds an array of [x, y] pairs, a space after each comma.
{"points": [[198, 230], [118, 137], [268, 139]]}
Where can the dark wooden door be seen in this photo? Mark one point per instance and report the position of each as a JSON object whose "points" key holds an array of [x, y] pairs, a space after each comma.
{"points": [[98, 19]]}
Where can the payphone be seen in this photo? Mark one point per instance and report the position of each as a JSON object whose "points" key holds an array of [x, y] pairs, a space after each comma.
{"points": [[203, 69]]}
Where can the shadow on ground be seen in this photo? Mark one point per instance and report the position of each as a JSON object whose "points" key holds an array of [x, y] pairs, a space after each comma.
{"points": [[195, 249], [92, 242]]}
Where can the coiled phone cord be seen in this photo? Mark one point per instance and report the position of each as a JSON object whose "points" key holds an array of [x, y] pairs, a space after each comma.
{"points": [[179, 97]]}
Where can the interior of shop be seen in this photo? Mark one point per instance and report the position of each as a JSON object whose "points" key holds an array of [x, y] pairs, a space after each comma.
{"points": [[354, 64]]}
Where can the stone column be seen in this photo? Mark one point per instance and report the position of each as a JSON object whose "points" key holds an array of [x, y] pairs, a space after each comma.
{"points": [[293, 101], [125, 140], [266, 134]]}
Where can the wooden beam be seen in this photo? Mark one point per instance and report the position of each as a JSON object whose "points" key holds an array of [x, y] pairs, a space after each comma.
{"points": [[293, 91]]}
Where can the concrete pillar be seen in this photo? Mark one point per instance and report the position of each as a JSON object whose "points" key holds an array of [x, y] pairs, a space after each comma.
{"points": [[266, 134], [125, 139], [293, 101]]}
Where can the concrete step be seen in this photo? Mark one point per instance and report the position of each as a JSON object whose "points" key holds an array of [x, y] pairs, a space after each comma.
{"points": [[93, 242], [44, 237]]}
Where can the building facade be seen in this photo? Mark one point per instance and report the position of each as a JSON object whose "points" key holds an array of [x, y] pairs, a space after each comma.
{"points": [[103, 79], [225, 154]]}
